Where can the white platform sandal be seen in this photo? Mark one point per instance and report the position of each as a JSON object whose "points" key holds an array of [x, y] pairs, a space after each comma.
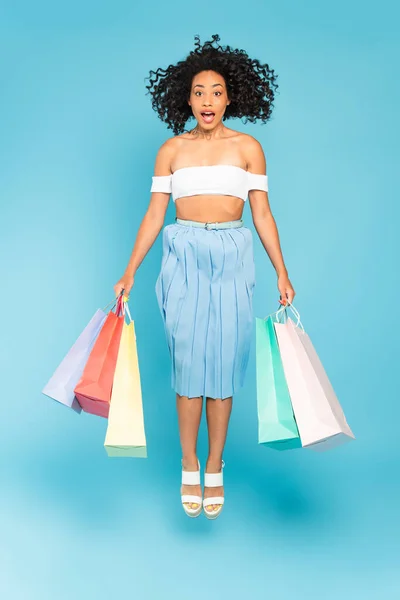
{"points": [[191, 478], [213, 480]]}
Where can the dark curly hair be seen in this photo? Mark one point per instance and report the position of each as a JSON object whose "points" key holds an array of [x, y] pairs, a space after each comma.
{"points": [[250, 85]]}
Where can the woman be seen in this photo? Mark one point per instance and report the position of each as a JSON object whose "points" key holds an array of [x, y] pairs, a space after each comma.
{"points": [[205, 285]]}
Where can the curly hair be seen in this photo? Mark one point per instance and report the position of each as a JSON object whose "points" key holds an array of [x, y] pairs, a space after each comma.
{"points": [[250, 85]]}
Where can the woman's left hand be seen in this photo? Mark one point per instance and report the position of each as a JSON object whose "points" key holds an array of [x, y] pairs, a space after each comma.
{"points": [[285, 289]]}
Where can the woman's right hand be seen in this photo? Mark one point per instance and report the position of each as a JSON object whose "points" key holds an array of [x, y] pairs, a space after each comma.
{"points": [[126, 284]]}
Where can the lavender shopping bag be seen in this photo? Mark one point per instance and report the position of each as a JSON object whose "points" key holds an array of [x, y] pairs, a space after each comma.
{"points": [[319, 416], [61, 385]]}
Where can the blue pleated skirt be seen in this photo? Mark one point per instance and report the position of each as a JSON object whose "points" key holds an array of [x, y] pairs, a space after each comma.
{"points": [[204, 292]]}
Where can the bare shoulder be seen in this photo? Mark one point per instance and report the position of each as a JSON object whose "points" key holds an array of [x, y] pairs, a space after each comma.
{"points": [[170, 145], [251, 144], [165, 155], [254, 154]]}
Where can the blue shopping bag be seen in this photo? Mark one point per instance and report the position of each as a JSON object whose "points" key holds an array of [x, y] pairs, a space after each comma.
{"points": [[277, 427]]}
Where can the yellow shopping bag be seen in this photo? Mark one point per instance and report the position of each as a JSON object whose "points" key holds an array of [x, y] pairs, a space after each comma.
{"points": [[125, 434]]}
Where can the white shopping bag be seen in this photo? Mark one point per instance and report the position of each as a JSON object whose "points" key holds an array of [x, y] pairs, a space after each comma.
{"points": [[320, 419]]}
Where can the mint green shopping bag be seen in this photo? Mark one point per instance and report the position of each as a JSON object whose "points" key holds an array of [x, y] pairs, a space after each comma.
{"points": [[276, 423]]}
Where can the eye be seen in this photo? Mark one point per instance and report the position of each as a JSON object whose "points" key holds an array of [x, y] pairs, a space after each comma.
{"points": [[219, 93], [196, 93]]}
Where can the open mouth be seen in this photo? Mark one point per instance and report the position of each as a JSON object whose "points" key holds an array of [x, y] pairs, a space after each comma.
{"points": [[207, 116]]}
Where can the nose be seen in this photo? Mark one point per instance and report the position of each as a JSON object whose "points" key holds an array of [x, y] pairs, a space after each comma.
{"points": [[206, 101]]}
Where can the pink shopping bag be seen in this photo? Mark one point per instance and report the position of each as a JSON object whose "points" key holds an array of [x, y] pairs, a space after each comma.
{"points": [[93, 390], [319, 416]]}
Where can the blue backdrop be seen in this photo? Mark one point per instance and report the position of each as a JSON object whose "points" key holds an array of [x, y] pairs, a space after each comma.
{"points": [[77, 147]]}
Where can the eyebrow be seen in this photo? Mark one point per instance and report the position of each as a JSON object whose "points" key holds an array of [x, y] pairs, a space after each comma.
{"points": [[214, 84]]}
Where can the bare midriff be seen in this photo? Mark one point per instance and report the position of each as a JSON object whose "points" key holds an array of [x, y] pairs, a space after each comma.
{"points": [[209, 208]]}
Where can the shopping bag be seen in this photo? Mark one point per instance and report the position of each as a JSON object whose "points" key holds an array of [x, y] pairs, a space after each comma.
{"points": [[61, 385], [125, 436], [332, 400], [93, 390], [276, 423], [319, 416]]}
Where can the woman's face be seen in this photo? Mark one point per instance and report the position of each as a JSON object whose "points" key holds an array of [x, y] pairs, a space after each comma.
{"points": [[208, 95]]}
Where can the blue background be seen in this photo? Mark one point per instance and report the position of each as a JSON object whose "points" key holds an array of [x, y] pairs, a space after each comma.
{"points": [[77, 148]]}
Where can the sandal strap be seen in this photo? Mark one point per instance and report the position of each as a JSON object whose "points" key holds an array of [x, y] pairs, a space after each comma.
{"points": [[213, 479], [214, 500], [193, 499], [191, 477]]}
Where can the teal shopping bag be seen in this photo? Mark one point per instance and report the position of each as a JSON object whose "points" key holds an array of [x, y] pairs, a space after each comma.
{"points": [[276, 423]]}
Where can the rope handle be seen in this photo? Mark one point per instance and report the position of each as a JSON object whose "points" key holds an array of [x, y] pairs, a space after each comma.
{"points": [[120, 305], [282, 310], [126, 310]]}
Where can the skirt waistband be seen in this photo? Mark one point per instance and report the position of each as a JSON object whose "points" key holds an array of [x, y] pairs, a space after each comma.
{"points": [[216, 225]]}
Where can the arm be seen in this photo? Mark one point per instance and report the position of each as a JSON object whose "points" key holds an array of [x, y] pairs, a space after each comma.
{"points": [[152, 221], [264, 221]]}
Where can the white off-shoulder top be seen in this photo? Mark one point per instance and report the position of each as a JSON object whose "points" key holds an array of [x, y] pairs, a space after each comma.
{"points": [[209, 179]]}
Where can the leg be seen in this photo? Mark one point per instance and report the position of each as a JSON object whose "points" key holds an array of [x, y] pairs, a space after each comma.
{"points": [[218, 413], [189, 416]]}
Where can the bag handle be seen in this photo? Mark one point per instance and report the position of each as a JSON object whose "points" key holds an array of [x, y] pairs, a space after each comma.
{"points": [[282, 310], [117, 303], [113, 302], [126, 310]]}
